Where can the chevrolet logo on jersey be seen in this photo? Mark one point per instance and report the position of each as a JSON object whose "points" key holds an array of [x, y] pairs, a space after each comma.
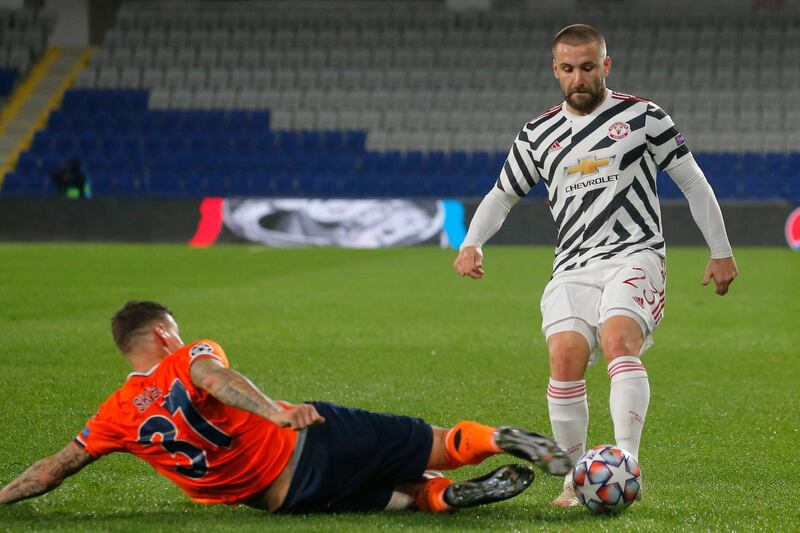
{"points": [[588, 165]]}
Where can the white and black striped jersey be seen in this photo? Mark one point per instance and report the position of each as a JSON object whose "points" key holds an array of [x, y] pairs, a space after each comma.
{"points": [[600, 174]]}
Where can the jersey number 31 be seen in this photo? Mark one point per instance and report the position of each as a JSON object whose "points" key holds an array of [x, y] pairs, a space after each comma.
{"points": [[178, 401]]}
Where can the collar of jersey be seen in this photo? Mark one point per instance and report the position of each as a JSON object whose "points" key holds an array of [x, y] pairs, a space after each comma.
{"points": [[143, 374]]}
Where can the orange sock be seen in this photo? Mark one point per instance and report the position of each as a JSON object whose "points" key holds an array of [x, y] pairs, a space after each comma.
{"points": [[469, 443], [431, 497]]}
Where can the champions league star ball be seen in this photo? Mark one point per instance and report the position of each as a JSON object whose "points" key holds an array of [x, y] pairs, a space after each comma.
{"points": [[607, 479]]}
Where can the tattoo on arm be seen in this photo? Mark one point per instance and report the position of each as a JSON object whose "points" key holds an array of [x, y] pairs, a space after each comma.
{"points": [[232, 388], [46, 474]]}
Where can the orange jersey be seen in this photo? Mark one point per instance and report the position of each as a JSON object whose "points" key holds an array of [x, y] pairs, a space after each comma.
{"points": [[214, 452]]}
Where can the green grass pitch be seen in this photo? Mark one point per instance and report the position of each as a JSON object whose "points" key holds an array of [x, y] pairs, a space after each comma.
{"points": [[397, 330]]}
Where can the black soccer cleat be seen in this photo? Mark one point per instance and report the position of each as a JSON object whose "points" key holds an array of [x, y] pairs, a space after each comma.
{"points": [[502, 484], [538, 449]]}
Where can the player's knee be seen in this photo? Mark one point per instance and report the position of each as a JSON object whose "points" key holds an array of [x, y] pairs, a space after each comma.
{"points": [[568, 358], [621, 335], [619, 343]]}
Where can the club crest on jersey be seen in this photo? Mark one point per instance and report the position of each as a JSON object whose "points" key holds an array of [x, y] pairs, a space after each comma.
{"points": [[201, 349], [554, 147], [619, 130]]}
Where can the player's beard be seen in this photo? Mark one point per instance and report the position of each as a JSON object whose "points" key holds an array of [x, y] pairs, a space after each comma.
{"points": [[585, 104]]}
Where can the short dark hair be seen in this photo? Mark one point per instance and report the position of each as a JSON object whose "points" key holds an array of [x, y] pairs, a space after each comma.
{"points": [[132, 316], [577, 34]]}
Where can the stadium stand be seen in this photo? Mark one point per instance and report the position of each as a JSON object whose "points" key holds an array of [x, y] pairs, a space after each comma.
{"points": [[355, 98], [23, 36]]}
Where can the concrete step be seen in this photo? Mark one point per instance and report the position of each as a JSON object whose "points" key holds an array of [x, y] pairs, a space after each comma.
{"points": [[36, 104]]}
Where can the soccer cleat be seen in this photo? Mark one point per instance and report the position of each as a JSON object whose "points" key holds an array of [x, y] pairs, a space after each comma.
{"points": [[538, 449], [567, 498], [502, 484]]}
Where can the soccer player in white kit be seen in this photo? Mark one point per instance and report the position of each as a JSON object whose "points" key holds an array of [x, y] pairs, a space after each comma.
{"points": [[597, 154]]}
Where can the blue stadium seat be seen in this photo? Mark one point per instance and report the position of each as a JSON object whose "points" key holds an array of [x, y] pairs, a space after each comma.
{"points": [[456, 164], [8, 77], [288, 141], [11, 184], [334, 141], [433, 164], [356, 141], [311, 142]]}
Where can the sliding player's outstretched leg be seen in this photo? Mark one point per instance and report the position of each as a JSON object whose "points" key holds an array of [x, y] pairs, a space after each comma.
{"points": [[441, 494], [469, 443], [502, 484], [534, 447]]}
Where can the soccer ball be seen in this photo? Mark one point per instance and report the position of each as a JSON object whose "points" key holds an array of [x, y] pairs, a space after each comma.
{"points": [[607, 479]]}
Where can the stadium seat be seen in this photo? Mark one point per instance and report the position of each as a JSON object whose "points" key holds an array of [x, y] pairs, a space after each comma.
{"points": [[212, 94]]}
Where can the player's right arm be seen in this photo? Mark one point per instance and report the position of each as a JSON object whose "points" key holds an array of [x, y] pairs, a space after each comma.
{"points": [[516, 178], [47, 474], [232, 388], [489, 217]]}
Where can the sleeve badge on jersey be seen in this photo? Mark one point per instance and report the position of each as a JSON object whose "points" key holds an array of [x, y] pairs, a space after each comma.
{"points": [[201, 349], [679, 139]]}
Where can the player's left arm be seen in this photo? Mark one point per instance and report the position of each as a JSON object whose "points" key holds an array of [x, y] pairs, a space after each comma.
{"points": [[672, 155], [46, 474], [232, 388], [707, 215]]}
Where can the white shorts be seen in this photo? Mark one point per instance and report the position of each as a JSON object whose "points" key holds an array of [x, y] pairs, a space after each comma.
{"points": [[581, 300]]}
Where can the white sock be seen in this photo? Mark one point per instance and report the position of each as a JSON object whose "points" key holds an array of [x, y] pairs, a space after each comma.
{"points": [[629, 398], [569, 415], [400, 501]]}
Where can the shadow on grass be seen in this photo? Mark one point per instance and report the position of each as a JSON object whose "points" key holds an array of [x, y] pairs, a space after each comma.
{"points": [[190, 517]]}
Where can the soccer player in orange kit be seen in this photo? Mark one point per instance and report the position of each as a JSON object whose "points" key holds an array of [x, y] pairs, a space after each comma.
{"points": [[221, 440]]}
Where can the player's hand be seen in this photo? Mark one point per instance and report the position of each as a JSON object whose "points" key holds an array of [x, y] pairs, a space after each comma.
{"points": [[298, 417], [723, 271], [469, 262]]}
